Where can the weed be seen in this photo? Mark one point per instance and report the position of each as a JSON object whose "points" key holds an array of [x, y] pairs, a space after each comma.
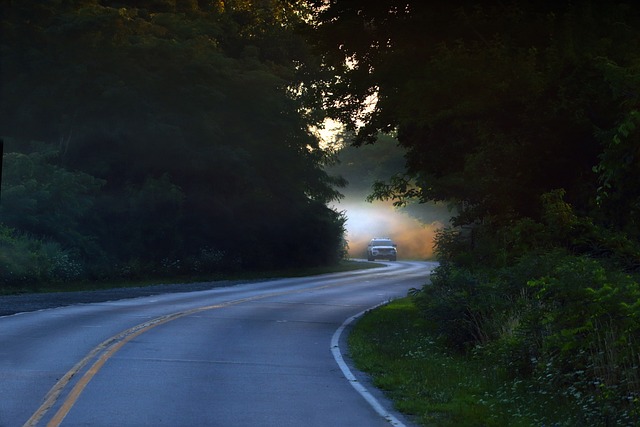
{"points": [[440, 387]]}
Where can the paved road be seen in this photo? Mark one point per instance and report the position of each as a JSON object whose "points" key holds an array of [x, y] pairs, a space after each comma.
{"points": [[257, 354]]}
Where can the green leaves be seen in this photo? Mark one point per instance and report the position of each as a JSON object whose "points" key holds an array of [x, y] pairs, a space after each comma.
{"points": [[591, 322], [45, 199], [497, 106], [174, 131], [617, 171], [526, 116]]}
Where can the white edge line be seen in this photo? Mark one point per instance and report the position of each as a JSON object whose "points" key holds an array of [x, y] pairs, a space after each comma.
{"points": [[366, 394]]}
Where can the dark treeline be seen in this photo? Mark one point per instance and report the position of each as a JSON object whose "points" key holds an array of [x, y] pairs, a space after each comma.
{"points": [[156, 138], [164, 136], [525, 115]]}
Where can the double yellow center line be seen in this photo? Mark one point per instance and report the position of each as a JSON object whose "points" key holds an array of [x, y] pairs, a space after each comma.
{"points": [[105, 350]]}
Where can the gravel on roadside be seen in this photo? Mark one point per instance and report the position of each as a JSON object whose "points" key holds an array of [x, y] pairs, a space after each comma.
{"points": [[12, 304]]}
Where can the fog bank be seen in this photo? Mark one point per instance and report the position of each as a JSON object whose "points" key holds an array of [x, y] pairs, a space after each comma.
{"points": [[379, 219]]}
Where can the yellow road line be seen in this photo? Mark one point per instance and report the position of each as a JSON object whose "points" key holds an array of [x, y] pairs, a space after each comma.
{"points": [[95, 368], [109, 347]]}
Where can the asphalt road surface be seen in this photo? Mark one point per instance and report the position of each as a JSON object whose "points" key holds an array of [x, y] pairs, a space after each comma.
{"points": [[270, 353]]}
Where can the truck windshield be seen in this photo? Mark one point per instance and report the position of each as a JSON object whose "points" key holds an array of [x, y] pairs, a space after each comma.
{"points": [[381, 243]]}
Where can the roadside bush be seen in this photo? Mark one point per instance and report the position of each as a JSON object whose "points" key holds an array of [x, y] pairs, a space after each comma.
{"points": [[592, 319], [450, 304], [555, 302], [45, 200], [29, 262], [59, 265], [208, 260], [473, 303]]}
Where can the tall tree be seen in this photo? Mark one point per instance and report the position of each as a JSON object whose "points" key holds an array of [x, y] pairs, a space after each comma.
{"points": [[185, 110], [496, 103]]}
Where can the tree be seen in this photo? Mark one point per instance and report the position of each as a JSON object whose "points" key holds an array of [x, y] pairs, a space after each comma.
{"points": [[526, 113], [618, 168], [495, 103], [184, 110], [47, 200]]}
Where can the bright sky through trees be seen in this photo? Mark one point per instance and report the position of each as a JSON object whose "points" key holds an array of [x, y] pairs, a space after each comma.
{"points": [[413, 228]]}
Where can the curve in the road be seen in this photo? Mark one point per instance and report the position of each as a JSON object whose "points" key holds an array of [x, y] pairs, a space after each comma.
{"points": [[362, 390], [108, 348]]}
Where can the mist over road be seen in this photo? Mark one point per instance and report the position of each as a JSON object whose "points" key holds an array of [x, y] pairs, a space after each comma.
{"points": [[246, 355]]}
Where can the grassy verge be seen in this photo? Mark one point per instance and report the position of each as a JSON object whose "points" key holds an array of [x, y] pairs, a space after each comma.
{"points": [[393, 344], [346, 265]]}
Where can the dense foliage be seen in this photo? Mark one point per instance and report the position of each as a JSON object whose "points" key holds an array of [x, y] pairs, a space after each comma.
{"points": [[524, 114], [492, 100], [548, 301], [158, 137]]}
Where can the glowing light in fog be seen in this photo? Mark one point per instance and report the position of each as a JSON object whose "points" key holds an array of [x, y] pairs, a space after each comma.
{"points": [[369, 220]]}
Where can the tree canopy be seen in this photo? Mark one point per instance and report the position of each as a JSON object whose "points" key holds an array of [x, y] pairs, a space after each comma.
{"points": [[153, 132], [496, 103], [525, 114]]}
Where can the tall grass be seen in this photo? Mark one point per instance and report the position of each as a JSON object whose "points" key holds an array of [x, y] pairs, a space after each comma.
{"points": [[438, 387]]}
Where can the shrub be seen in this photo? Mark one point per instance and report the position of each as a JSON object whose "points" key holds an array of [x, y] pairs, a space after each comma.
{"points": [[592, 318], [449, 305], [544, 308], [30, 262]]}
